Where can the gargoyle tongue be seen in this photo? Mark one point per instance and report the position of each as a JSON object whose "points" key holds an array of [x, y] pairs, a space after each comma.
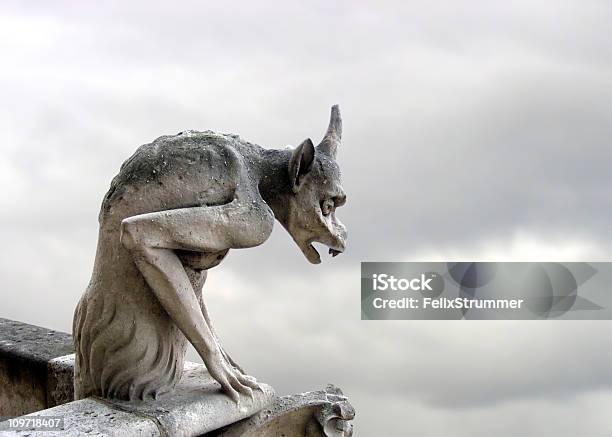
{"points": [[334, 252]]}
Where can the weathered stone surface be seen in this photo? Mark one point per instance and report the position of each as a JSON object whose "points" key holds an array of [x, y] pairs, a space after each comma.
{"points": [[24, 353], [90, 417], [323, 413], [22, 389], [173, 212], [60, 380], [197, 405], [33, 344]]}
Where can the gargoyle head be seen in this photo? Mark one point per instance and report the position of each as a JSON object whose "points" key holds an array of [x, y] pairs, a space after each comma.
{"points": [[317, 192]]}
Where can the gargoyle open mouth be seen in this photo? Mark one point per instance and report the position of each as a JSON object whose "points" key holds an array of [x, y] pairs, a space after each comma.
{"points": [[313, 255]]}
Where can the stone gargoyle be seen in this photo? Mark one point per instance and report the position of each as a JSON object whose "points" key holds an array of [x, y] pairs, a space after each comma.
{"points": [[175, 209]]}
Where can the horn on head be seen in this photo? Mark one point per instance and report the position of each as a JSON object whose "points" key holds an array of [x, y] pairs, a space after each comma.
{"points": [[331, 141]]}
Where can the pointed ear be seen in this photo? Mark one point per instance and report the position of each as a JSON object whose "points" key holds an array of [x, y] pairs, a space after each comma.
{"points": [[301, 163]]}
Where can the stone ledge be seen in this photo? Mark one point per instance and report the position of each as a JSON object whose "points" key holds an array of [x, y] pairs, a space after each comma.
{"points": [[25, 351], [197, 405], [35, 373], [89, 417], [31, 344], [322, 413]]}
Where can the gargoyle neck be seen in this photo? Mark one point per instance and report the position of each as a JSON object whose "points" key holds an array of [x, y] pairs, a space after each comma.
{"points": [[274, 185]]}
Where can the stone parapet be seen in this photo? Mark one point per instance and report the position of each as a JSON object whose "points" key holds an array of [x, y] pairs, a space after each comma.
{"points": [[27, 381], [36, 381]]}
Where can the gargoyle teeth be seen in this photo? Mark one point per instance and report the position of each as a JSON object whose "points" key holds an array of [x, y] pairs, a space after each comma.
{"points": [[334, 252]]}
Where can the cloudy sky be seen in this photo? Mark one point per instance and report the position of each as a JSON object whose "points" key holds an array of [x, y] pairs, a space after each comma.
{"points": [[473, 130]]}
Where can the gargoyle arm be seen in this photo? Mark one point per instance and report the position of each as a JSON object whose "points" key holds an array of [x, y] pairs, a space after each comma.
{"points": [[152, 238]]}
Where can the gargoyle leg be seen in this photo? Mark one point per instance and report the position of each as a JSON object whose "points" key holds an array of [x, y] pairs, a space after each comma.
{"points": [[152, 238]]}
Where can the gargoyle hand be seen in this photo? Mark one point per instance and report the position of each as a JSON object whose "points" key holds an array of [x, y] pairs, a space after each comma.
{"points": [[232, 380]]}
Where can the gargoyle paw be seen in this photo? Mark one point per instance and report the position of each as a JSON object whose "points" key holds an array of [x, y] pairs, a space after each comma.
{"points": [[233, 382]]}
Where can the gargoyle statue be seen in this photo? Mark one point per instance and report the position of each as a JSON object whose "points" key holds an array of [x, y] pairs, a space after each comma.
{"points": [[175, 209]]}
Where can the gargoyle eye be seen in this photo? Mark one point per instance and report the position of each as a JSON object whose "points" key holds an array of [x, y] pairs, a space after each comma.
{"points": [[327, 206]]}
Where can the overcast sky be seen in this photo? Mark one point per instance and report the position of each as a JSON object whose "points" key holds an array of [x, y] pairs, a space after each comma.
{"points": [[472, 130]]}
